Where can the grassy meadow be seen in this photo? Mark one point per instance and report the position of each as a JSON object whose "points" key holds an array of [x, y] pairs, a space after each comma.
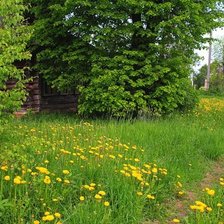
{"points": [[59, 169]]}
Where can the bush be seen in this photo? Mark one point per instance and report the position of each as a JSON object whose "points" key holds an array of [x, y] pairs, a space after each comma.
{"points": [[106, 95], [13, 39], [190, 97]]}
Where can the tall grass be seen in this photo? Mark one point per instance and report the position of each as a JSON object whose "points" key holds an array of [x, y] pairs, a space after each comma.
{"points": [[104, 171]]}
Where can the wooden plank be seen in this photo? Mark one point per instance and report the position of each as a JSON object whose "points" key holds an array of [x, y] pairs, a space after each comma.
{"points": [[35, 97], [36, 92]]}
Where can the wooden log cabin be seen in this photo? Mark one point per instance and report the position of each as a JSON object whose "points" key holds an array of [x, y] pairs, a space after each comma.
{"points": [[41, 97]]}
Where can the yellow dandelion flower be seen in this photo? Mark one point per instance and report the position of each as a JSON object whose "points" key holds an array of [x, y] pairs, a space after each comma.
{"points": [[154, 170], [193, 207], [147, 166], [219, 205], [58, 179], [36, 222], [34, 173], [176, 220], [180, 193], [7, 178], [4, 168], [97, 196], [179, 184], [199, 207], [199, 203], [127, 174], [106, 203], [65, 172], [102, 193], [209, 209], [47, 213], [149, 196], [91, 188], [57, 215], [48, 218], [17, 180], [139, 193], [210, 191], [81, 198], [66, 181], [47, 180], [42, 170]]}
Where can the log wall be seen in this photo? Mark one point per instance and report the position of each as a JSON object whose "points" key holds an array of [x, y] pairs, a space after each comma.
{"points": [[37, 102], [58, 103]]}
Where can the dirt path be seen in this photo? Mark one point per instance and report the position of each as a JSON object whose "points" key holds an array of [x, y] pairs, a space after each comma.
{"points": [[179, 208], [182, 205]]}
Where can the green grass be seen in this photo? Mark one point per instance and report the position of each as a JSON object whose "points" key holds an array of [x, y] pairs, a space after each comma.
{"points": [[104, 153]]}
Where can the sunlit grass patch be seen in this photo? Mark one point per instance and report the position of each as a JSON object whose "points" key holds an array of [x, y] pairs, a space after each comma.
{"points": [[212, 104]]}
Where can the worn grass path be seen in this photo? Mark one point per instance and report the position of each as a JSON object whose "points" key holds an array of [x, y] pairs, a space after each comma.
{"points": [[180, 207]]}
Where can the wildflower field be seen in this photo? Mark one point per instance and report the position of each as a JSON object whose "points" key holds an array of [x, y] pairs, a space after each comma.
{"points": [[59, 169]]}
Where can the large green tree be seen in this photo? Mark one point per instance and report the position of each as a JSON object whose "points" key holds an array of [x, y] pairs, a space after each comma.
{"points": [[123, 57], [14, 35]]}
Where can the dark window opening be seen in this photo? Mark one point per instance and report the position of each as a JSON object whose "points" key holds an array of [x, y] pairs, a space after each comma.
{"points": [[47, 90]]}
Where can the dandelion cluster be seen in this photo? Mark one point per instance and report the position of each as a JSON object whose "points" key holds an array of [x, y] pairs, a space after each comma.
{"points": [[210, 207], [56, 175], [210, 107], [211, 104]]}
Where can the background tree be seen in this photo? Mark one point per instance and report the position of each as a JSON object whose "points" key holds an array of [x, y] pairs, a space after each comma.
{"points": [[218, 54], [60, 43], [201, 75], [217, 77], [122, 56], [14, 35], [217, 69]]}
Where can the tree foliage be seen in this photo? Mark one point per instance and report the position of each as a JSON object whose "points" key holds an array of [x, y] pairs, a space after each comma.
{"points": [[200, 76], [216, 83], [218, 53], [122, 57], [217, 78], [14, 35]]}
